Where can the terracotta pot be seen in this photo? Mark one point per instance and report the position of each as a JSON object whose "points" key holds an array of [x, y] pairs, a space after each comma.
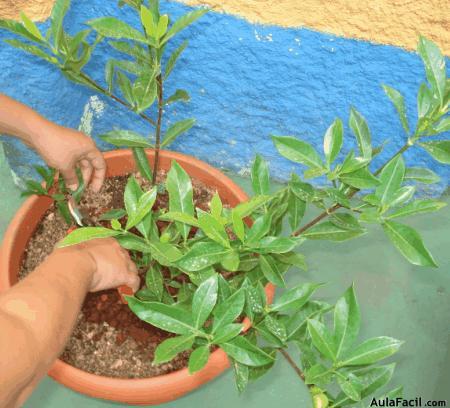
{"points": [[149, 391]]}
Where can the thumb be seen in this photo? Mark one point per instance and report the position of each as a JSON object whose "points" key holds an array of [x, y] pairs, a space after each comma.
{"points": [[70, 177]]}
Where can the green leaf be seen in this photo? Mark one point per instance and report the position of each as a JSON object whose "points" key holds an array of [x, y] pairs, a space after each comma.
{"points": [[272, 270], [330, 231], [361, 130], [141, 160], [332, 141], [294, 298], [402, 195], [228, 332], [174, 57], [260, 176], [162, 26], [347, 321], [322, 339], [145, 90], [417, 207], [18, 29], [182, 23], [318, 375], [126, 138], [294, 259], [143, 207], [277, 245], [115, 213], [179, 217], [424, 101], [361, 178], [238, 225], [297, 151], [170, 348], [391, 178], [371, 351], [59, 10], [32, 49], [115, 28], [244, 352], [179, 187], [204, 300], [176, 130], [216, 206], [180, 95], [134, 243], [248, 207], [201, 255], [36, 187], [439, 150], [399, 102], [154, 281], [132, 194], [255, 298], [213, 229], [297, 321], [149, 22], [345, 221], [30, 26], [443, 125], [85, 234], [434, 66], [229, 310], [171, 318], [259, 229], [409, 243], [351, 386], [166, 254], [63, 209], [198, 359], [240, 375], [296, 210], [352, 163], [276, 328]]}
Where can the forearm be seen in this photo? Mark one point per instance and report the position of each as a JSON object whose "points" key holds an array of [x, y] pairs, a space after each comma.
{"points": [[39, 314], [17, 119]]}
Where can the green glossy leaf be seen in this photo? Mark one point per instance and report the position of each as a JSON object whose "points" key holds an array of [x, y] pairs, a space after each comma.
{"points": [[149, 22], [318, 375], [115, 28], [174, 58], [443, 125], [170, 348], [176, 130], [322, 339], [351, 386], [180, 95], [238, 225], [417, 207], [328, 230], [154, 281], [125, 138], [352, 163], [30, 26], [259, 229], [143, 207], [409, 243], [361, 131], [347, 321], [171, 318], [439, 150], [142, 163], [198, 359], [298, 321], [424, 101], [213, 229], [229, 310], [32, 49], [297, 151], [296, 210], [260, 176], [294, 298], [434, 66], [244, 352], [275, 327], [179, 217], [202, 255], [248, 207], [59, 10], [272, 270], [227, 333], [338, 197], [399, 102], [345, 221], [277, 245], [402, 195], [371, 351], [145, 90], [361, 178], [204, 300], [182, 23], [391, 178], [115, 213], [241, 372], [166, 254], [231, 261], [134, 243], [332, 142], [17, 28], [86, 234], [294, 259], [179, 187]]}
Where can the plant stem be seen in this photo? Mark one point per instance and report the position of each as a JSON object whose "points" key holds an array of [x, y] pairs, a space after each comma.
{"points": [[114, 97], [158, 127], [335, 207], [291, 362]]}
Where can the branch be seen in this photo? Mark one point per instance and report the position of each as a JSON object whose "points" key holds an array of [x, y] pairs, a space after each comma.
{"points": [[335, 207], [291, 362], [158, 127]]}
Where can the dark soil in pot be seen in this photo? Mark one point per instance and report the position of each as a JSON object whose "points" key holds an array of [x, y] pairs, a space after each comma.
{"points": [[109, 339]]}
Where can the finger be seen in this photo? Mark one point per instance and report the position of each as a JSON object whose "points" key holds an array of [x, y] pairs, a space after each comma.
{"points": [[98, 163], [133, 282], [86, 171], [70, 177], [132, 267]]}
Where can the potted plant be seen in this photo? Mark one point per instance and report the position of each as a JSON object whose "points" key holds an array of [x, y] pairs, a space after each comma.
{"points": [[210, 257]]}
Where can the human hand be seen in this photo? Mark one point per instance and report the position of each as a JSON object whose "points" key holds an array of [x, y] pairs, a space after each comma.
{"points": [[110, 264], [66, 149]]}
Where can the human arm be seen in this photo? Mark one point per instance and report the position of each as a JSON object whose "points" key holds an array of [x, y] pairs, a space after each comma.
{"points": [[62, 148], [38, 314]]}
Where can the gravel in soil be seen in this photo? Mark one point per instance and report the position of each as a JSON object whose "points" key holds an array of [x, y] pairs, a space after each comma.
{"points": [[108, 339]]}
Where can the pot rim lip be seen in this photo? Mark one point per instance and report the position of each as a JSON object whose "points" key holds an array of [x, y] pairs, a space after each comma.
{"points": [[61, 368]]}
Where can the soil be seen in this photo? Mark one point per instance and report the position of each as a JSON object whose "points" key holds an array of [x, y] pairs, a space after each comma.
{"points": [[108, 339]]}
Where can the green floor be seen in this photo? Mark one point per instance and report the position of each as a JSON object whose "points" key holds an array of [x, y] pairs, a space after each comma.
{"points": [[397, 299]]}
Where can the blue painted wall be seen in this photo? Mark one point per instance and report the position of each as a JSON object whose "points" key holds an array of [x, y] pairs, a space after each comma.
{"points": [[246, 82]]}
